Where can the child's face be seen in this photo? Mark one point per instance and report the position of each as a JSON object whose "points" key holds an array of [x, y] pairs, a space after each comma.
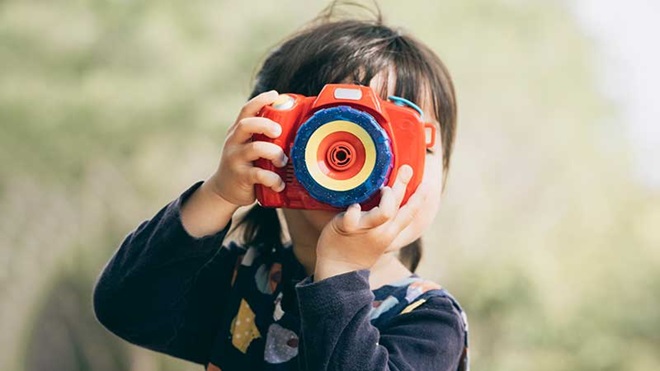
{"points": [[431, 186]]}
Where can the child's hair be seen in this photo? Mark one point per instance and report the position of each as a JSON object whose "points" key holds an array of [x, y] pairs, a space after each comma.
{"points": [[353, 51]]}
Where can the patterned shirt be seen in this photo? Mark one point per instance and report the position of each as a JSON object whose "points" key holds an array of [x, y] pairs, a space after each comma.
{"points": [[234, 308]]}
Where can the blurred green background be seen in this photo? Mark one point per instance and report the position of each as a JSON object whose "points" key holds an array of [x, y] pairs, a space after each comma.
{"points": [[109, 109]]}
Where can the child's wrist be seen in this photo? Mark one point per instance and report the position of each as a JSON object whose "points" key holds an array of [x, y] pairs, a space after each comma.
{"points": [[326, 268], [206, 213], [212, 187], [213, 196]]}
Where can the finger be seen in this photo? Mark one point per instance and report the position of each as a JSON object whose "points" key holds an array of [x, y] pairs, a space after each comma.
{"points": [[382, 213], [401, 183], [351, 218], [254, 105], [270, 151], [407, 213], [390, 200], [245, 128], [266, 178]]}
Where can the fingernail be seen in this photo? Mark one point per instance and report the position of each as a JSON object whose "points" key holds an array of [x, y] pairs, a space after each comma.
{"points": [[406, 173], [277, 130], [285, 160]]}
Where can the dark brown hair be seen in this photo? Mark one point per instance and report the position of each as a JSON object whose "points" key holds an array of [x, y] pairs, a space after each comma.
{"points": [[353, 51]]}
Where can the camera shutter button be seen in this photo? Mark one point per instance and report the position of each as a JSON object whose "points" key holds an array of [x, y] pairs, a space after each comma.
{"points": [[283, 102]]}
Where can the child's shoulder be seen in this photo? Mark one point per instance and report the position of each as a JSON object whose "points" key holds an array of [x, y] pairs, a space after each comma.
{"points": [[409, 294], [416, 295]]}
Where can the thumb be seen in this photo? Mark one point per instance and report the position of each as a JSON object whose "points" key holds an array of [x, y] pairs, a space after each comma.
{"points": [[349, 220]]}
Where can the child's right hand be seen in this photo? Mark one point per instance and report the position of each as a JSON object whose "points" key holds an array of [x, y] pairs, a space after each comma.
{"points": [[236, 175], [210, 208]]}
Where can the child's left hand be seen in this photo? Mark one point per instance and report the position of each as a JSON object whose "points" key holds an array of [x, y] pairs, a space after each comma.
{"points": [[355, 239]]}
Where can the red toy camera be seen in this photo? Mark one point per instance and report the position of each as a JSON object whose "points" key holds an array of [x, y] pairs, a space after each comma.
{"points": [[343, 146]]}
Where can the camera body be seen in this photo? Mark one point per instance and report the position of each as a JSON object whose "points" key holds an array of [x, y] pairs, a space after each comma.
{"points": [[343, 146]]}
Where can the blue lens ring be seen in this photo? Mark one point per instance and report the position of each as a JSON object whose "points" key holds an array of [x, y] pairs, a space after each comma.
{"points": [[374, 181]]}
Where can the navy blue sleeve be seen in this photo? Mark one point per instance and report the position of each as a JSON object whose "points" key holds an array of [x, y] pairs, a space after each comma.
{"points": [[164, 289], [337, 333]]}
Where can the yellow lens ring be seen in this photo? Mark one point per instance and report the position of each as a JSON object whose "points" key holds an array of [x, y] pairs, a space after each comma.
{"points": [[314, 142]]}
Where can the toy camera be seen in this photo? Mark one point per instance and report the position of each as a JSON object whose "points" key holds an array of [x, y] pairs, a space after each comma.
{"points": [[343, 146]]}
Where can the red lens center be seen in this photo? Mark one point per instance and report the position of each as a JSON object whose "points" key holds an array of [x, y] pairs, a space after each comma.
{"points": [[340, 155]]}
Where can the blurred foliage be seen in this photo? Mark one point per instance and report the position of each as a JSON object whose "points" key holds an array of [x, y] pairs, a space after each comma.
{"points": [[109, 109]]}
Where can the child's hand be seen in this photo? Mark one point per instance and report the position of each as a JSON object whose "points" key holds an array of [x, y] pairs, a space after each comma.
{"points": [[210, 208], [236, 176], [355, 240]]}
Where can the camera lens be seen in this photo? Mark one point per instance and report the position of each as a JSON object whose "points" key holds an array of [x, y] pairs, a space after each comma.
{"points": [[341, 156]]}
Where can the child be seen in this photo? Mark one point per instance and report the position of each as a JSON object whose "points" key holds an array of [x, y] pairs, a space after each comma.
{"points": [[336, 297]]}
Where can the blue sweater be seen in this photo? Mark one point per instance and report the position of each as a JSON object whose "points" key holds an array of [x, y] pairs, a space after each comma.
{"points": [[229, 308]]}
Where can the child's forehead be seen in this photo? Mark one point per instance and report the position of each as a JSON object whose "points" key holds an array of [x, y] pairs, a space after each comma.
{"points": [[385, 78]]}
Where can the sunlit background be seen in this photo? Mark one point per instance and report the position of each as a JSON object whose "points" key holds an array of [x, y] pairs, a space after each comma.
{"points": [[550, 230]]}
